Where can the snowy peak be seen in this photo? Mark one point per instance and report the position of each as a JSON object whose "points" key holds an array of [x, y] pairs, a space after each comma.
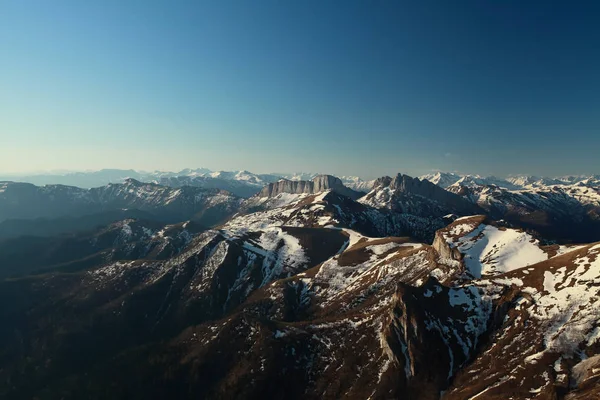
{"points": [[132, 182], [524, 181], [297, 176], [442, 179], [447, 179], [558, 211], [573, 180], [514, 182], [487, 249], [476, 180], [358, 184]]}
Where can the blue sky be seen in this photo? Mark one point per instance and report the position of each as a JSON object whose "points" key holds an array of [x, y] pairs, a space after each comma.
{"points": [[346, 87]]}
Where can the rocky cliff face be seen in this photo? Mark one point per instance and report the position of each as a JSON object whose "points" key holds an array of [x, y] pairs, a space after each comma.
{"points": [[444, 250], [419, 197], [319, 183], [407, 184]]}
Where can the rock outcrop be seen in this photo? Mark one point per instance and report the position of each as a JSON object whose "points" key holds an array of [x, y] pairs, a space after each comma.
{"points": [[443, 248], [319, 183]]}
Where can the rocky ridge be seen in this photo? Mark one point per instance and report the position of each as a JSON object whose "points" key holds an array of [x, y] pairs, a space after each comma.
{"points": [[23, 200], [236, 308], [318, 184], [403, 193]]}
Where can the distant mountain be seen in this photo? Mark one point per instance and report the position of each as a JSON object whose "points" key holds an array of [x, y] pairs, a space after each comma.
{"points": [[79, 179], [358, 184], [561, 212], [209, 206], [514, 182], [244, 183], [240, 185], [585, 179], [442, 179], [476, 180], [524, 181], [297, 176], [405, 194], [318, 184], [66, 224], [446, 179]]}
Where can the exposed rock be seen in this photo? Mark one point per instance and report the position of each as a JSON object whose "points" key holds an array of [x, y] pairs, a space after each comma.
{"points": [[407, 184], [319, 183], [444, 250], [419, 197]]}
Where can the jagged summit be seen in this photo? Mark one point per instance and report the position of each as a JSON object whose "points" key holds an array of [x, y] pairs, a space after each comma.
{"points": [[319, 183], [405, 183], [398, 193]]}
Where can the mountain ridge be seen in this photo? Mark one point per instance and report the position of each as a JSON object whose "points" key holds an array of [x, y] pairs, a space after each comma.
{"points": [[245, 184], [414, 319]]}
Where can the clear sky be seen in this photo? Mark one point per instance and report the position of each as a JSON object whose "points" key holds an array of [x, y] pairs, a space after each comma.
{"points": [[345, 87]]}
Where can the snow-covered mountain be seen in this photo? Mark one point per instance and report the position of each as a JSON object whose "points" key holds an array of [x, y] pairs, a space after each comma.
{"points": [[558, 211], [513, 182], [358, 184], [399, 292], [476, 180], [446, 179], [241, 183], [542, 327], [297, 176], [204, 177], [442, 179], [524, 181], [418, 197], [246, 182], [298, 293]]}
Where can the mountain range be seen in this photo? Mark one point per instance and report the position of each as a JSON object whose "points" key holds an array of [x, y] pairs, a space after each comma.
{"points": [[245, 184], [439, 287], [242, 183]]}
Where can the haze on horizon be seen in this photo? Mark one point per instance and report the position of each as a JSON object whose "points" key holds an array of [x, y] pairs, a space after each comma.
{"points": [[347, 88]]}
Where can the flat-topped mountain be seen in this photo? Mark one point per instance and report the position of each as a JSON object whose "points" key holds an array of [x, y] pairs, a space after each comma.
{"points": [[319, 183]]}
